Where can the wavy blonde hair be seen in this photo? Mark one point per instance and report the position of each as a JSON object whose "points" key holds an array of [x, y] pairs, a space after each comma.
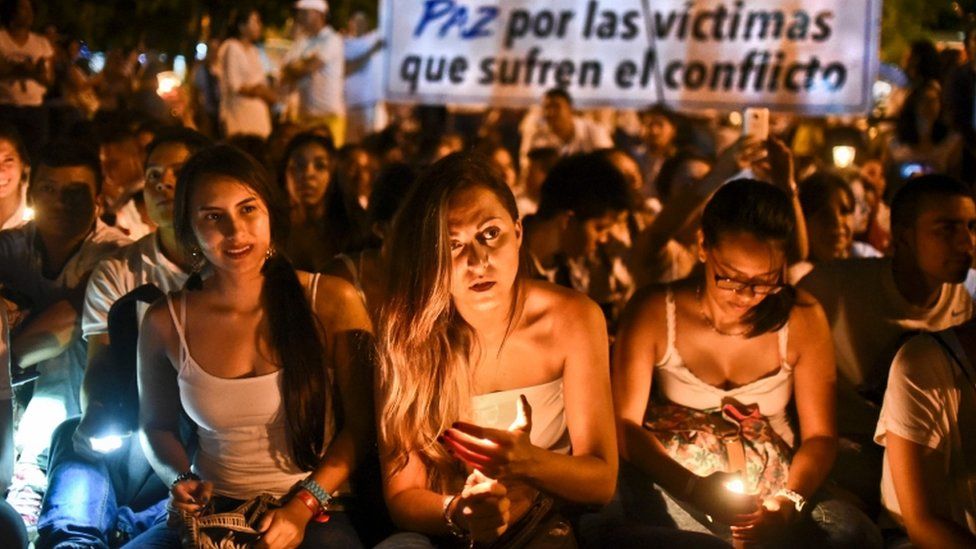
{"points": [[424, 343]]}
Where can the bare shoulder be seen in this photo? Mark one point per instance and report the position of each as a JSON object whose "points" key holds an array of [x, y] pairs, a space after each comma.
{"points": [[807, 312], [562, 303], [158, 322], [337, 303]]}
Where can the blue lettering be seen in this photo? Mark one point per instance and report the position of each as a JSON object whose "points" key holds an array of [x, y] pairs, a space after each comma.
{"points": [[433, 9]]}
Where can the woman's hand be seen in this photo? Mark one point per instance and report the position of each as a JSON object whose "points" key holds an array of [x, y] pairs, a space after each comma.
{"points": [[284, 528], [769, 521], [498, 454], [712, 495], [190, 495], [744, 153], [482, 508]]}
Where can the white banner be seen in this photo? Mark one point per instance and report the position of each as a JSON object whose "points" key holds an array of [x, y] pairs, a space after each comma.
{"points": [[810, 56]]}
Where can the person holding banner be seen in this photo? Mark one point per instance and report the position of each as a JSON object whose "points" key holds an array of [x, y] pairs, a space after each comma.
{"points": [[727, 353]]}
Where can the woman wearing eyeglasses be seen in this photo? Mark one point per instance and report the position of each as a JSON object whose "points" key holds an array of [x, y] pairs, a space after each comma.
{"points": [[725, 355]]}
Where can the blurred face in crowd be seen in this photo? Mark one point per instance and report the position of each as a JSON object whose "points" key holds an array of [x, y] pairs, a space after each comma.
{"points": [[740, 270], [121, 167], [930, 102], [629, 168], [582, 238], [231, 225], [357, 173], [251, 29], [358, 25], [11, 170], [942, 238], [23, 16], [659, 132], [557, 112], [310, 171], [310, 21], [862, 206], [503, 159], [64, 200], [484, 242], [162, 170], [872, 174], [535, 177], [831, 229]]}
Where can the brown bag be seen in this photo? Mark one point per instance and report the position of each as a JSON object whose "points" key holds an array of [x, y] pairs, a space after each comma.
{"points": [[542, 527], [233, 529]]}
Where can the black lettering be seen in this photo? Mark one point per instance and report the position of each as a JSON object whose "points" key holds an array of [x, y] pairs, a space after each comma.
{"points": [[718, 71], [590, 14], [544, 23], [625, 74], [765, 17], [459, 66], [410, 71], [696, 27], [508, 71], [790, 80], [824, 29], [812, 68], [518, 25], [608, 28], [694, 75], [487, 70], [799, 27], [669, 77], [663, 29], [720, 14], [631, 29], [777, 68], [836, 72], [588, 68], [564, 74], [734, 27], [650, 58]]}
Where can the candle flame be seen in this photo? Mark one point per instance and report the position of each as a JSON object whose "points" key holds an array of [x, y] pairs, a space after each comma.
{"points": [[736, 486]]}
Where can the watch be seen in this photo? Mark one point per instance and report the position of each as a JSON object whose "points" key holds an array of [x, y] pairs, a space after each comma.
{"points": [[798, 501]]}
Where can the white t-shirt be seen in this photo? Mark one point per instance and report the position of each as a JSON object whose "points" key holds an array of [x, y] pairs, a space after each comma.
{"points": [[588, 136], [19, 216], [930, 401], [129, 221], [321, 92], [139, 263], [23, 93], [868, 321], [363, 87], [241, 66]]}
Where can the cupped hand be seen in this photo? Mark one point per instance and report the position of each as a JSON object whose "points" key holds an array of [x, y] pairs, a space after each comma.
{"points": [[283, 528], [712, 495], [768, 522], [483, 508], [499, 454]]}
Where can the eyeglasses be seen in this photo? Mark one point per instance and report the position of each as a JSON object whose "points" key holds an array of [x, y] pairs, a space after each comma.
{"points": [[737, 286]]}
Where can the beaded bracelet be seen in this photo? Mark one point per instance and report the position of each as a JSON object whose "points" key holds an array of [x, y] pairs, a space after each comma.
{"points": [[314, 488]]}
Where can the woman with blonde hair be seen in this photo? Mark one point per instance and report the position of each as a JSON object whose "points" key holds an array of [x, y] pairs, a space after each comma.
{"points": [[495, 392]]}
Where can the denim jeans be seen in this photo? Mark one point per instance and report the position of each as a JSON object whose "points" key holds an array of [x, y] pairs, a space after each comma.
{"points": [[337, 532], [829, 523], [98, 503]]}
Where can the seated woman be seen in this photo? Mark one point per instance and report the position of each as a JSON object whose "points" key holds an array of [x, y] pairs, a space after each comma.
{"points": [[228, 349], [740, 342], [928, 484], [495, 388]]}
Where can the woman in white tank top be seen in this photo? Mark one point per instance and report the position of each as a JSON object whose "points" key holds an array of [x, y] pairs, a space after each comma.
{"points": [[739, 332], [257, 354], [493, 388]]}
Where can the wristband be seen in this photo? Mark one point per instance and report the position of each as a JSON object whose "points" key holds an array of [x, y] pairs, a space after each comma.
{"points": [[454, 528], [799, 502], [185, 475], [314, 488], [318, 513]]}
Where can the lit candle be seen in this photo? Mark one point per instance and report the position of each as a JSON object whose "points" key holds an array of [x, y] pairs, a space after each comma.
{"points": [[844, 156], [736, 486]]}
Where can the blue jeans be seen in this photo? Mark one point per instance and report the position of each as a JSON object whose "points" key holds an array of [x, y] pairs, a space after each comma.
{"points": [[98, 503], [337, 532]]}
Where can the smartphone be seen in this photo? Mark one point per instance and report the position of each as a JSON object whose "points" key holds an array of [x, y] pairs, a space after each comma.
{"points": [[755, 122]]}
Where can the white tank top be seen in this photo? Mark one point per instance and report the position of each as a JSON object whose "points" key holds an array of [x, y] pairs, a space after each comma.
{"points": [[771, 393], [498, 410], [243, 441]]}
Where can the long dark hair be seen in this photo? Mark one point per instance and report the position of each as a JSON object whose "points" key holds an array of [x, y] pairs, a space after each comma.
{"points": [[764, 211], [295, 332], [906, 126]]}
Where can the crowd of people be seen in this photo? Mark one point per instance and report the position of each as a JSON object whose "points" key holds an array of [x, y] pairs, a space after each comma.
{"points": [[349, 324]]}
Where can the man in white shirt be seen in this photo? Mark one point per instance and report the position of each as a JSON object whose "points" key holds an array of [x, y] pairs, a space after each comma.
{"points": [[122, 170], [44, 265], [927, 424], [560, 129], [26, 71], [79, 477], [316, 65], [873, 304], [364, 79]]}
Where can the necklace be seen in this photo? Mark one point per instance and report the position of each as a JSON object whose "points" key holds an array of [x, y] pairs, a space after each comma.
{"points": [[711, 324]]}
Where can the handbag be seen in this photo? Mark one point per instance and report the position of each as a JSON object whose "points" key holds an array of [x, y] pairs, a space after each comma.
{"points": [[542, 527], [734, 438], [215, 529]]}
